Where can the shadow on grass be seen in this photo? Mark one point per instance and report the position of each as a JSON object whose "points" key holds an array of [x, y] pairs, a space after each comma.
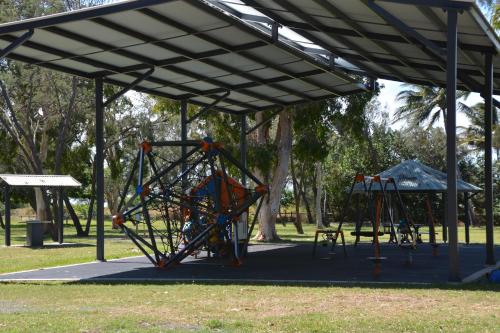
{"points": [[54, 246], [480, 286]]}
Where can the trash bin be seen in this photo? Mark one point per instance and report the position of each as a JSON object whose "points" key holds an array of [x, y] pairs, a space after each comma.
{"points": [[34, 233]]}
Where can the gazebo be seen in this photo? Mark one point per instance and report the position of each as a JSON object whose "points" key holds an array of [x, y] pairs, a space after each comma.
{"points": [[58, 182], [233, 57], [413, 177]]}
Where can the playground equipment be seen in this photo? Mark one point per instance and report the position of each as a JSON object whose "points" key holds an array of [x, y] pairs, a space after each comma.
{"points": [[378, 203], [328, 235], [188, 204]]}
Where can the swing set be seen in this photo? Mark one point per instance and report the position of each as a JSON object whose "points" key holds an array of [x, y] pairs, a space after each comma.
{"points": [[379, 196]]}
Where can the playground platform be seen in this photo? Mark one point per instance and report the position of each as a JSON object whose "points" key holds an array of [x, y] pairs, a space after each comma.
{"points": [[279, 264]]}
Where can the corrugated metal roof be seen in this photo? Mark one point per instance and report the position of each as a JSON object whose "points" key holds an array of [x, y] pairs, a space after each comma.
{"points": [[40, 181], [198, 53], [413, 176], [399, 40]]}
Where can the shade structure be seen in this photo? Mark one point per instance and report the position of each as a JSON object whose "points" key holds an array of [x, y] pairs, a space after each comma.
{"points": [[39, 180], [184, 50], [401, 40], [413, 177]]}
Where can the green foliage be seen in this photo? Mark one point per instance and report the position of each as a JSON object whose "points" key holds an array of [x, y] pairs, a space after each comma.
{"points": [[312, 127], [424, 104], [263, 157], [286, 198]]}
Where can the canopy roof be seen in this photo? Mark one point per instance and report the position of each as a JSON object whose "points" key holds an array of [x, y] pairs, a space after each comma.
{"points": [[40, 181], [413, 176], [401, 40], [197, 51]]}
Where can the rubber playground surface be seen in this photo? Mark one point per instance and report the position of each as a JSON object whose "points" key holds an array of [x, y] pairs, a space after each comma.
{"points": [[279, 263]]}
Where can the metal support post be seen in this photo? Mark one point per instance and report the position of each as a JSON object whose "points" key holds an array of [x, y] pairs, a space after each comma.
{"points": [[451, 144], [99, 163], [243, 148], [7, 214], [60, 216], [445, 214], [466, 218], [184, 138], [488, 161]]}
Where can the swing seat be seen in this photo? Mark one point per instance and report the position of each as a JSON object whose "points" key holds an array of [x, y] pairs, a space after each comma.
{"points": [[377, 260], [366, 233]]}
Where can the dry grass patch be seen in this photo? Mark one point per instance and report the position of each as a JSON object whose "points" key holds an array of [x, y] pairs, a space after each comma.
{"points": [[225, 308]]}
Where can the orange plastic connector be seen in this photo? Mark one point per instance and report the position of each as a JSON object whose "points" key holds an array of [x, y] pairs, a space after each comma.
{"points": [[360, 178], [262, 189], [205, 146], [118, 220], [161, 263], [145, 191], [146, 147], [236, 262], [376, 179]]}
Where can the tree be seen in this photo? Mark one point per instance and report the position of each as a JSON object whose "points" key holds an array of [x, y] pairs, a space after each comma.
{"points": [[42, 112], [274, 175], [473, 135], [424, 104]]}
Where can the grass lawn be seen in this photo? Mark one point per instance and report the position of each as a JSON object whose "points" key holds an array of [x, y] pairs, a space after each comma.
{"points": [[87, 307], [245, 308], [81, 250]]}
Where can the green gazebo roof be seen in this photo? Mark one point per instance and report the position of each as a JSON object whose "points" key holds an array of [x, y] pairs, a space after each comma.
{"points": [[413, 176]]}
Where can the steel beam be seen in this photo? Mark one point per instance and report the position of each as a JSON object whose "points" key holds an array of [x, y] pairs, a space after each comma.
{"points": [[283, 46], [135, 57], [132, 85], [99, 163], [16, 43], [208, 107], [265, 121], [302, 26], [432, 49], [243, 148], [445, 4], [229, 48], [488, 161], [7, 214], [184, 135], [451, 147]]}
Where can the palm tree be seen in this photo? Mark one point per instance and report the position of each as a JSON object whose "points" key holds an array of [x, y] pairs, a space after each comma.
{"points": [[473, 135], [425, 105]]}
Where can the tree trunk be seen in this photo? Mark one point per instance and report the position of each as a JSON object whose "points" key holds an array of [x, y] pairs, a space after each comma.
{"points": [[302, 192], [319, 176], [1, 221], [371, 147], [296, 197], [90, 211], [41, 205], [74, 217], [270, 207]]}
